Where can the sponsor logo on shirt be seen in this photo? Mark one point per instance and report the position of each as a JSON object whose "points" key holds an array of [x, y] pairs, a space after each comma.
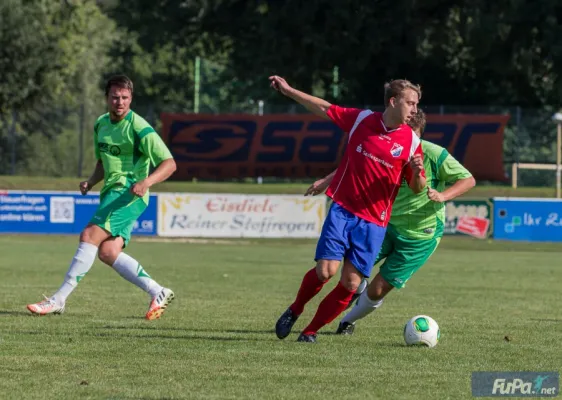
{"points": [[396, 150], [383, 215], [373, 157], [111, 149]]}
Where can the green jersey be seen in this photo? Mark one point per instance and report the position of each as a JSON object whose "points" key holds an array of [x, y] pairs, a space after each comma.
{"points": [[126, 150], [415, 216]]}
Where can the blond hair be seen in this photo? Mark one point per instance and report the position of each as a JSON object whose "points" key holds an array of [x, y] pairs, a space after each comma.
{"points": [[396, 87]]}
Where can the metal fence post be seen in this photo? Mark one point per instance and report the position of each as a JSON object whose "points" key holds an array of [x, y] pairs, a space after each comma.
{"points": [[13, 141], [81, 139]]}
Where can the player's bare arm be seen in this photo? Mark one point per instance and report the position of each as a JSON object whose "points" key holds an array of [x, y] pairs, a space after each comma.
{"points": [[162, 172], [320, 185], [455, 190], [418, 181], [96, 177], [315, 105]]}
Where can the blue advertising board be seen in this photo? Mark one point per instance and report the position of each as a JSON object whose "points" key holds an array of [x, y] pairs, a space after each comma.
{"points": [[534, 220], [60, 212]]}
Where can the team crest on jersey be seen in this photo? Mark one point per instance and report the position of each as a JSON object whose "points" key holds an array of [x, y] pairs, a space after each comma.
{"points": [[396, 150]]}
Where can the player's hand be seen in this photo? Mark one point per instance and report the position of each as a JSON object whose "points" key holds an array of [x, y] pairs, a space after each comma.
{"points": [[417, 165], [85, 187], [317, 187], [435, 196], [280, 85], [140, 188]]}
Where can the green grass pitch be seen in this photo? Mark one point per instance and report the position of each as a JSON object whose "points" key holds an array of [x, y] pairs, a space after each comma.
{"points": [[497, 304]]}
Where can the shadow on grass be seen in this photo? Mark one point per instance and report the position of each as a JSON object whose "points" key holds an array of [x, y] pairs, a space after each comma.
{"points": [[164, 328], [115, 335], [15, 313], [184, 337]]}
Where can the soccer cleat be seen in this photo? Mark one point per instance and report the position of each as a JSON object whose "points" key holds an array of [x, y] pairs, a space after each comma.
{"points": [[159, 303], [307, 338], [47, 306], [285, 324], [345, 328], [362, 286]]}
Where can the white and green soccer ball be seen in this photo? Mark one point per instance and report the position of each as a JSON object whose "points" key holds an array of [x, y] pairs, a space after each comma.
{"points": [[422, 330]]}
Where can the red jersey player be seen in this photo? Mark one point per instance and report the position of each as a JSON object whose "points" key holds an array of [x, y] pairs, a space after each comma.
{"points": [[381, 151]]}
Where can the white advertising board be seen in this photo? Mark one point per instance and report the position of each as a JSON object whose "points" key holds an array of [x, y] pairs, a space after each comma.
{"points": [[238, 215]]}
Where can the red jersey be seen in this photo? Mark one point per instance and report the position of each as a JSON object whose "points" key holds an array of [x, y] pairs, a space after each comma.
{"points": [[374, 163]]}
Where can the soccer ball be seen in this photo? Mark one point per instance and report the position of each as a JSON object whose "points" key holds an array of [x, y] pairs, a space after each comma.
{"points": [[422, 330]]}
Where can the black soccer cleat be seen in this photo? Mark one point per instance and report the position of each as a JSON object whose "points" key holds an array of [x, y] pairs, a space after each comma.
{"points": [[307, 338], [285, 324], [345, 328]]}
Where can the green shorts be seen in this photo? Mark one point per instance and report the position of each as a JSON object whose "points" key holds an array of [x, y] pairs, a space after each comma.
{"points": [[403, 256], [118, 212]]}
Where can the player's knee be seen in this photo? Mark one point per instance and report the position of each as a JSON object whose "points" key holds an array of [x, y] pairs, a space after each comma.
{"points": [[108, 253], [86, 236], [326, 269], [350, 281], [93, 234], [378, 289]]}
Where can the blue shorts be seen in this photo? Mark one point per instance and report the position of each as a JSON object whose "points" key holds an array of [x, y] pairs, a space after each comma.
{"points": [[346, 236]]}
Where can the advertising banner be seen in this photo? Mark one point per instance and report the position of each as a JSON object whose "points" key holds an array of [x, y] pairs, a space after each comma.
{"points": [[534, 220], [59, 212], [300, 146], [237, 215], [469, 217]]}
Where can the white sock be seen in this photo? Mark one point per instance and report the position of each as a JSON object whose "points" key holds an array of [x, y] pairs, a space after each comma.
{"points": [[80, 265], [364, 307], [131, 270]]}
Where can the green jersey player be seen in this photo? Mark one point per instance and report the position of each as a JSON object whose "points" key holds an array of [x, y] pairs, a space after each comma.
{"points": [[125, 147], [415, 227]]}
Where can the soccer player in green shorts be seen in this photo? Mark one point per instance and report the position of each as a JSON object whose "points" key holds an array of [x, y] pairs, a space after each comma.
{"points": [[125, 147], [415, 227]]}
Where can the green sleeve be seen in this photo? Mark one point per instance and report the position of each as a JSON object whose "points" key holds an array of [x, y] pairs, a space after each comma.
{"points": [[96, 147], [151, 144], [154, 148], [450, 169]]}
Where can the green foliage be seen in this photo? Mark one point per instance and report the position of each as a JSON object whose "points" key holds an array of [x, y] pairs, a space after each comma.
{"points": [[57, 157], [65, 51]]}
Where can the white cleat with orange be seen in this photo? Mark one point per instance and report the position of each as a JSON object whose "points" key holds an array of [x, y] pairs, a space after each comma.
{"points": [[159, 304], [47, 306]]}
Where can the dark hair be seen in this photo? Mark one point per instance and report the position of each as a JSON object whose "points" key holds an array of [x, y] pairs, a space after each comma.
{"points": [[121, 81], [396, 87], [417, 122]]}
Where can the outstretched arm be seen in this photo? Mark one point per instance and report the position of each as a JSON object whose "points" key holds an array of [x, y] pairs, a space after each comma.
{"points": [[315, 105], [320, 185]]}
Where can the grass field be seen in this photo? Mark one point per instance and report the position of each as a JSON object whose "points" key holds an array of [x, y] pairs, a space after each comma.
{"points": [[217, 340], [49, 183]]}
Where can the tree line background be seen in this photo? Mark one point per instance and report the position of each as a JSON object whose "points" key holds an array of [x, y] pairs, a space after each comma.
{"points": [[468, 55]]}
